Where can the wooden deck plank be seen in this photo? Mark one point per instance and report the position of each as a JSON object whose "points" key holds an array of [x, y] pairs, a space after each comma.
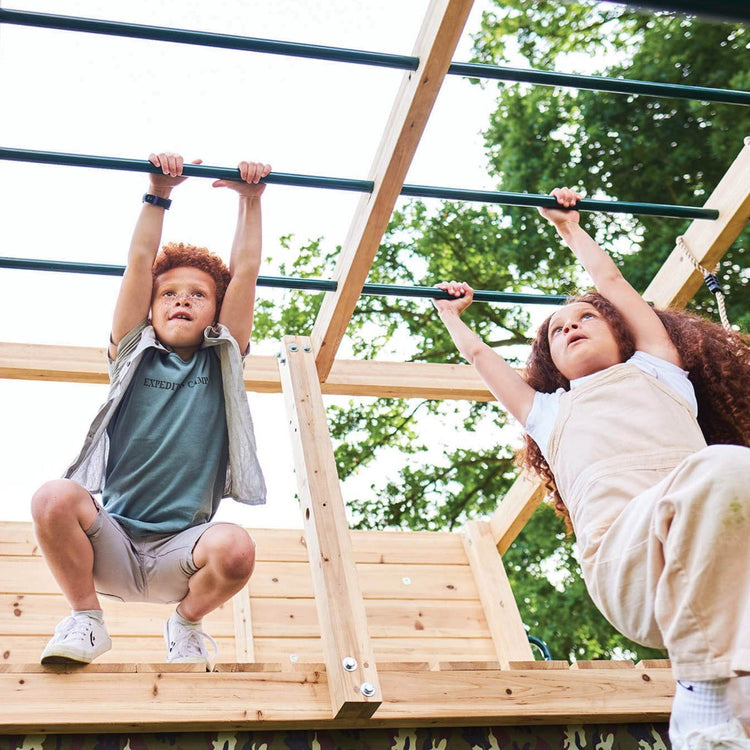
{"points": [[289, 580], [35, 614], [288, 545], [22, 649], [49, 702]]}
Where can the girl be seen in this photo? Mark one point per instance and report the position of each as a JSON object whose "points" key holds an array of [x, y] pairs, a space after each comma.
{"points": [[610, 404]]}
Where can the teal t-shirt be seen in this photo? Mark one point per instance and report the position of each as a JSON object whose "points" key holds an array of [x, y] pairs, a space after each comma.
{"points": [[168, 445]]}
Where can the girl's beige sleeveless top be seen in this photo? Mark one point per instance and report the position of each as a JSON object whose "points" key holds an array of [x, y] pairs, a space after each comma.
{"points": [[616, 435]]}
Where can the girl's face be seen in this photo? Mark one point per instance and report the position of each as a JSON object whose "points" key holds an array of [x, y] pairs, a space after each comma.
{"points": [[581, 341]]}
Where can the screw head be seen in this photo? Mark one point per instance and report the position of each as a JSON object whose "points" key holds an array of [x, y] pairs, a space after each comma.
{"points": [[307, 348], [293, 348], [367, 689], [349, 663], [293, 657], [406, 581]]}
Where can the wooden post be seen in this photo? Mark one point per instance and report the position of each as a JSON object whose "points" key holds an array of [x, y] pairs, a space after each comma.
{"points": [[352, 676], [243, 626], [677, 281], [442, 27], [498, 602]]}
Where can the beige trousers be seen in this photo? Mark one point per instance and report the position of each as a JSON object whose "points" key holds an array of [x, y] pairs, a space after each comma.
{"points": [[662, 521], [673, 569]]}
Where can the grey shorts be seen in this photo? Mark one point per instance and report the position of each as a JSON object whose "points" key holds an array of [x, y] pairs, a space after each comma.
{"points": [[141, 569]]}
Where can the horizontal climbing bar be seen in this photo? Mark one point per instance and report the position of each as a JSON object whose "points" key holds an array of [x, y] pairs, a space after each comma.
{"points": [[192, 170], [400, 62], [287, 282], [207, 39], [600, 83], [724, 10], [363, 186]]}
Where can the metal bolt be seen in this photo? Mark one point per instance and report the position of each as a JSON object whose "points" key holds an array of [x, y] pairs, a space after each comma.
{"points": [[406, 581], [367, 689], [350, 663], [293, 348]]}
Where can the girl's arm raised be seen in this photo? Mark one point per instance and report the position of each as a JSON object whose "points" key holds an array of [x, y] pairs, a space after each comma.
{"points": [[510, 389], [647, 330]]}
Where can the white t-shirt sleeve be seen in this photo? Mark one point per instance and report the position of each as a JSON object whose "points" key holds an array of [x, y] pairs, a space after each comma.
{"points": [[541, 419]]}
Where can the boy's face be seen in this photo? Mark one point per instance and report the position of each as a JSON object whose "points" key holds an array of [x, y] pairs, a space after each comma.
{"points": [[581, 341], [182, 306]]}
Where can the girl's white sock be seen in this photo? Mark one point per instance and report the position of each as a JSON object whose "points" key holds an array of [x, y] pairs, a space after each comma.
{"points": [[699, 705]]}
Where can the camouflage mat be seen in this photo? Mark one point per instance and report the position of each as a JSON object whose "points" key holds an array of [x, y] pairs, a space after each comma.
{"points": [[570, 737]]}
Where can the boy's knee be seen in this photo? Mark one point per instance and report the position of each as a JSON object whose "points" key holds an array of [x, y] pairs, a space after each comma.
{"points": [[52, 498], [234, 552], [59, 499]]}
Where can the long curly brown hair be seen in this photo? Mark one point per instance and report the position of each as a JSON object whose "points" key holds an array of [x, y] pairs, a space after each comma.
{"points": [[718, 362], [176, 255]]}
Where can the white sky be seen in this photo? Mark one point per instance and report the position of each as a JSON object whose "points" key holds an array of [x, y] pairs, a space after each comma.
{"points": [[90, 94]]}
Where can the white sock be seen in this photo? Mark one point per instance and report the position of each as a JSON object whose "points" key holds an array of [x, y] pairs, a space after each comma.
{"points": [[699, 705], [94, 614], [178, 618]]}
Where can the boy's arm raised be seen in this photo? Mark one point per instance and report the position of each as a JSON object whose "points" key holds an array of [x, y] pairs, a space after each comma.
{"points": [[510, 389], [134, 298], [244, 264], [646, 327]]}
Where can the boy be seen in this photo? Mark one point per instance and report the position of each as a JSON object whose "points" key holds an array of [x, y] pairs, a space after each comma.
{"points": [[173, 438]]}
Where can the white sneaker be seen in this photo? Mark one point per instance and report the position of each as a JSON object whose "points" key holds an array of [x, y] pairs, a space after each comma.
{"points": [[185, 644], [78, 639], [729, 736]]}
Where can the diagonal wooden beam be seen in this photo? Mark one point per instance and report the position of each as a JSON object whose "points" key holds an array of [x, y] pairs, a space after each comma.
{"points": [[436, 43], [515, 509], [499, 604], [677, 281]]}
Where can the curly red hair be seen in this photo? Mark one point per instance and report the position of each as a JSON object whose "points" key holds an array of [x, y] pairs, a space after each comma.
{"points": [[718, 362], [176, 255]]}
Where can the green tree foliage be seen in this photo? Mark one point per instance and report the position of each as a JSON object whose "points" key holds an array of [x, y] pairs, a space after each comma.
{"points": [[453, 460]]}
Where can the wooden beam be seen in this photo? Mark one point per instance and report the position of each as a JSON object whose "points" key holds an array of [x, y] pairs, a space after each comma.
{"points": [[496, 595], [243, 626], [352, 676], [442, 27], [677, 281], [162, 700], [515, 509], [78, 364]]}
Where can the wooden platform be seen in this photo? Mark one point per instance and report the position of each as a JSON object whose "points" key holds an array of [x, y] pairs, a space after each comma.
{"points": [[429, 618], [436, 657]]}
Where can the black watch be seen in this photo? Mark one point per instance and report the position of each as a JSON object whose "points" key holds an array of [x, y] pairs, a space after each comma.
{"points": [[155, 200]]}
